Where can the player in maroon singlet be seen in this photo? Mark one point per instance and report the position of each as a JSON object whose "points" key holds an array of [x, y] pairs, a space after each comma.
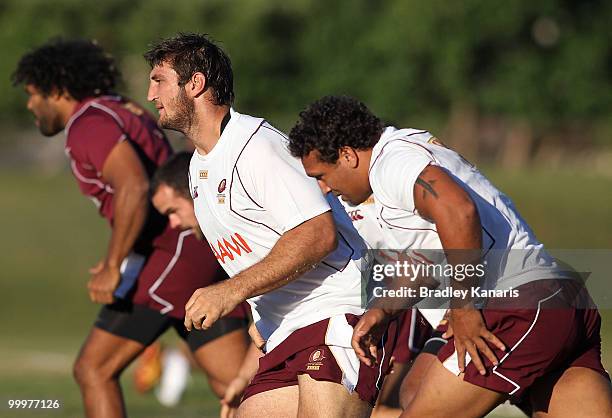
{"points": [[149, 270]]}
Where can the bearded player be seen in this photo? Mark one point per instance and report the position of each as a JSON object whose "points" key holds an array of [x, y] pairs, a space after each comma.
{"points": [[428, 197], [149, 270], [289, 251]]}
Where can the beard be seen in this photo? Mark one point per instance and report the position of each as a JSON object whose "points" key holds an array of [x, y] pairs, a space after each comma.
{"points": [[183, 115], [49, 126]]}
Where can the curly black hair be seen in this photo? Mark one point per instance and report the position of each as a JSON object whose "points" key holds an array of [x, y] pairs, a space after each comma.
{"points": [[79, 67], [173, 173], [331, 123], [188, 53]]}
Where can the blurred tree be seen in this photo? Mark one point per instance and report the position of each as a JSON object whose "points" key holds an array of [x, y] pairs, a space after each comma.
{"points": [[541, 69]]}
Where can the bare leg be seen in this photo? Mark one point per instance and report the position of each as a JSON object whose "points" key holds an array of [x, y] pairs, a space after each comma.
{"points": [[413, 379], [442, 394], [221, 359], [578, 392], [97, 368], [328, 399], [388, 402], [277, 403]]}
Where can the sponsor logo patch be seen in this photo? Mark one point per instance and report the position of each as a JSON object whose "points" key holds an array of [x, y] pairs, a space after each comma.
{"points": [[315, 361], [203, 174]]}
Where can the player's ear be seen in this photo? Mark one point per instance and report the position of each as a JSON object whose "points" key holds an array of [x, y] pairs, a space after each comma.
{"points": [[349, 157], [197, 84]]}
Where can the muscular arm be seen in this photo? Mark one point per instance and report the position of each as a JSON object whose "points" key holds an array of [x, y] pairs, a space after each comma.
{"points": [[439, 198], [297, 251], [125, 173]]}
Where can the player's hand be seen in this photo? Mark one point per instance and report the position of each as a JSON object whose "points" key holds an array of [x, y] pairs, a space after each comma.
{"points": [[233, 394], [367, 333], [471, 336], [257, 339], [208, 304], [103, 282]]}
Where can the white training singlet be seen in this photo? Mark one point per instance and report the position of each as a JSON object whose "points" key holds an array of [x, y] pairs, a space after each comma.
{"points": [[247, 192]]}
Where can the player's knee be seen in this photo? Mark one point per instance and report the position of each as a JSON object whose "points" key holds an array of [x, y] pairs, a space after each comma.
{"points": [[88, 373]]}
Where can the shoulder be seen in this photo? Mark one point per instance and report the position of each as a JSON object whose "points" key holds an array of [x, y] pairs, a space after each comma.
{"points": [[263, 144]]}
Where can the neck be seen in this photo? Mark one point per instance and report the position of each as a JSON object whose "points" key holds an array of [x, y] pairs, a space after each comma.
{"points": [[205, 129], [66, 108]]}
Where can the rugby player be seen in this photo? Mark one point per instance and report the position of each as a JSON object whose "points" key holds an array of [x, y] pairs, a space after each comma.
{"points": [[149, 270], [289, 251], [550, 353], [171, 196]]}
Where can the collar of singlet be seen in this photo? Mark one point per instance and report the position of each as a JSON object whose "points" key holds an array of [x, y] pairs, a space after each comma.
{"points": [[225, 121]]}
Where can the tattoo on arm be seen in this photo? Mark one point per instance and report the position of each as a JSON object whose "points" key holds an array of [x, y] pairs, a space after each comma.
{"points": [[427, 187]]}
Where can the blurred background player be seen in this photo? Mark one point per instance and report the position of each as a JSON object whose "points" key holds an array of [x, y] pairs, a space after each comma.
{"points": [[150, 270], [170, 195], [290, 251], [429, 197]]}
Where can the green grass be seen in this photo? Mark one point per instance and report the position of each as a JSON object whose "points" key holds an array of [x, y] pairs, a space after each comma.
{"points": [[51, 235]]}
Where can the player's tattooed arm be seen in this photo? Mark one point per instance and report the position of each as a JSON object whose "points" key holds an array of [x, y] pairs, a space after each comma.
{"points": [[427, 186]]}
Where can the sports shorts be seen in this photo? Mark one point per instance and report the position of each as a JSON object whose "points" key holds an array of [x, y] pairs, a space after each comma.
{"points": [[550, 338], [414, 331], [322, 350], [144, 325]]}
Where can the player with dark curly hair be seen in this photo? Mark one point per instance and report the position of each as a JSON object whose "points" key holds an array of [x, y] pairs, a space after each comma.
{"points": [[428, 197], [149, 270]]}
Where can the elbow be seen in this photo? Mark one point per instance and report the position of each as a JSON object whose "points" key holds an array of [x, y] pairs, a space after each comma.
{"points": [[467, 212], [328, 242]]}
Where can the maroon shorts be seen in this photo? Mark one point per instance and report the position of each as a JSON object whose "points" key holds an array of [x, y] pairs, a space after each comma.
{"points": [[548, 339], [178, 265], [414, 331], [305, 352]]}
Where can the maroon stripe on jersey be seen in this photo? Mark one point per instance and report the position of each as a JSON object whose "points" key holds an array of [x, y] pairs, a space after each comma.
{"points": [[235, 169], [399, 139], [403, 227], [245, 190], [272, 128]]}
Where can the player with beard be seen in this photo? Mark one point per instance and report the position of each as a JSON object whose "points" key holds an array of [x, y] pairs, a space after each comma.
{"points": [[289, 251], [149, 270], [428, 197]]}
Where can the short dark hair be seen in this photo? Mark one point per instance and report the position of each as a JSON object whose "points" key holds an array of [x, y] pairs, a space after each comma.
{"points": [[174, 173], [331, 123], [188, 53], [79, 67]]}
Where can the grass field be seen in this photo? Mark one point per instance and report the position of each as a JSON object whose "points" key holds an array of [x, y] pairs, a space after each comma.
{"points": [[51, 236]]}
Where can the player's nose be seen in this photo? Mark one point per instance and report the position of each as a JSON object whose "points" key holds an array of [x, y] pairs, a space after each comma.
{"points": [[174, 221], [151, 93]]}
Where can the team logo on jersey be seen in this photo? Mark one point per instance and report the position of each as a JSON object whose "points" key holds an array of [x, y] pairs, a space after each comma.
{"points": [[221, 189], [232, 248], [315, 361], [203, 174], [194, 194]]}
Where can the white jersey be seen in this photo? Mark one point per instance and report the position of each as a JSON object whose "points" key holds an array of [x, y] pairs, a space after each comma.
{"points": [[247, 192], [367, 222], [398, 159]]}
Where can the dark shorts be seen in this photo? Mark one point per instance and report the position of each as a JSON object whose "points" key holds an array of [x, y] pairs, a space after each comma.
{"points": [[305, 352], [549, 339], [144, 325], [178, 265], [414, 331]]}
